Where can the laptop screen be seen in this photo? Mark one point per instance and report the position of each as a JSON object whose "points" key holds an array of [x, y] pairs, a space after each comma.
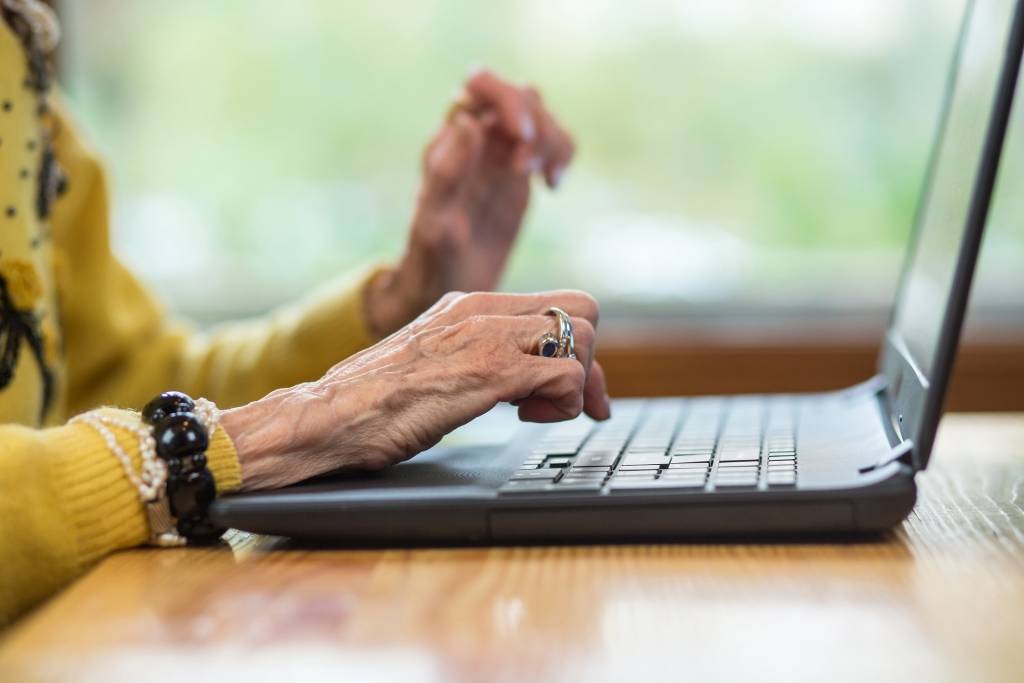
{"points": [[943, 214]]}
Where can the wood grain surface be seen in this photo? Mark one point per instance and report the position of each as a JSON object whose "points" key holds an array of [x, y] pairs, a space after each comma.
{"points": [[939, 599]]}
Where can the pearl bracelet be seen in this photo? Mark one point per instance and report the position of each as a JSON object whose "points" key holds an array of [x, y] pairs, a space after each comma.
{"points": [[152, 483]]}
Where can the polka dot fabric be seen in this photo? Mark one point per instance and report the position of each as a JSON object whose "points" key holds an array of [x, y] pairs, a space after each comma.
{"points": [[26, 282]]}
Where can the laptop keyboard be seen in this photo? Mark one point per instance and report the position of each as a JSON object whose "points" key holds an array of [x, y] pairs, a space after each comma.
{"points": [[679, 444]]}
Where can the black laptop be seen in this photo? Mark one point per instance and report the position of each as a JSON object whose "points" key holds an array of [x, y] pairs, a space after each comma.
{"points": [[681, 467]]}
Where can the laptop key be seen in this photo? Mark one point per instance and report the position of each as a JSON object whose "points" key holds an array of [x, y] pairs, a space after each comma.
{"points": [[558, 462], [691, 458], [580, 476], [645, 474], [645, 459], [537, 475], [734, 454], [638, 468], [595, 459]]}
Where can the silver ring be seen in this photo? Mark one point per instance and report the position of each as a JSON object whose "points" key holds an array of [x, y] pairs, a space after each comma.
{"points": [[566, 339]]}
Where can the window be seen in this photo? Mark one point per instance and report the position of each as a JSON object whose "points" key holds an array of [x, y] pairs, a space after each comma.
{"points": [[734, 157]]}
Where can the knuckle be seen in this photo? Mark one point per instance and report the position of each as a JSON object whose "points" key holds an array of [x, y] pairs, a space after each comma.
{"points": [[583, 328], [588, 306], [441, 310], [452, 296], [477, 302]]}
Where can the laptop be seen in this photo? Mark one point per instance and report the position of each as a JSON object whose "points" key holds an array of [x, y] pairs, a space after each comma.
{"points": [[667, 468]]}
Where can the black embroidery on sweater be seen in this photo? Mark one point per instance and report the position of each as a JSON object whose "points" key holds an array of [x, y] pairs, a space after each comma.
{"points": [[17, 326], [40, 68]]}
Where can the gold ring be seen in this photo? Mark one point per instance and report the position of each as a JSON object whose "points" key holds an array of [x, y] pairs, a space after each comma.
{"points": [[459, 105]]}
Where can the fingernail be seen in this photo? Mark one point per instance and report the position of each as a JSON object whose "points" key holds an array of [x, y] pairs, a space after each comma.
{"points": [[608, 405], [536, 163], [526, 127], [556, 176]]}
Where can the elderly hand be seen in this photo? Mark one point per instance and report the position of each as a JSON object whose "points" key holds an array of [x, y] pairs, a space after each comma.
{"points": [[476, 186], [399, 397]]}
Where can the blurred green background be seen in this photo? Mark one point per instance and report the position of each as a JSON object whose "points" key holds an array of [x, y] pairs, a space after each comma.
{"points": [[733, 156]]}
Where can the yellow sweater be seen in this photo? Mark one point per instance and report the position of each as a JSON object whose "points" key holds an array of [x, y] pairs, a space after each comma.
{"points": [[102, 340]]}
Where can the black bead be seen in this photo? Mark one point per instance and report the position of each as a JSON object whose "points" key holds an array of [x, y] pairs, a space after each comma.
{"points": [[198, 461], [199, 531], [180, 435], [167, 403], [8, 105], [11, 212], [191, 494]]}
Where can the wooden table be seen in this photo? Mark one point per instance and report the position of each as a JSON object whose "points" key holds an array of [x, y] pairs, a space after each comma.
{"points": [[940, 599]]}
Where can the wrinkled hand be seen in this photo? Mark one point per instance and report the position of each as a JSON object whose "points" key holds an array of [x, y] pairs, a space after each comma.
{"points": [[475, 190], [399, 397]]}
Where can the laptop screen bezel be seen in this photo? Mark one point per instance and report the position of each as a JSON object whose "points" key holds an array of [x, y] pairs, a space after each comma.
{"points": [[914, 402]]}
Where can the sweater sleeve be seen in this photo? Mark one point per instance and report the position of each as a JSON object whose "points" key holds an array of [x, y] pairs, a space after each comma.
{"points": [[65, 502], [122, 348]]}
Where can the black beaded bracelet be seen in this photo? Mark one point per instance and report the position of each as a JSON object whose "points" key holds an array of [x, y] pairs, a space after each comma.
{"points": [[181, 442]]}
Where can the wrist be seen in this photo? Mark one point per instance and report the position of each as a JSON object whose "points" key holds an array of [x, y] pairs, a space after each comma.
{"points": [[295, 434], [261, 441], [395, 296]]}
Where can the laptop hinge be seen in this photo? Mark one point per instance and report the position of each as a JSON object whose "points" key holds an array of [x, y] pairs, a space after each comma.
{"points": [[902, 452]]}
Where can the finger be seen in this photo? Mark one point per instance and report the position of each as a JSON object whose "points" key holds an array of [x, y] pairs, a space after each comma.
{"points": [[514, 116], [451, 158], [526, 331], [554, 146], [596, 403], [574, 302], [551, 390]]}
